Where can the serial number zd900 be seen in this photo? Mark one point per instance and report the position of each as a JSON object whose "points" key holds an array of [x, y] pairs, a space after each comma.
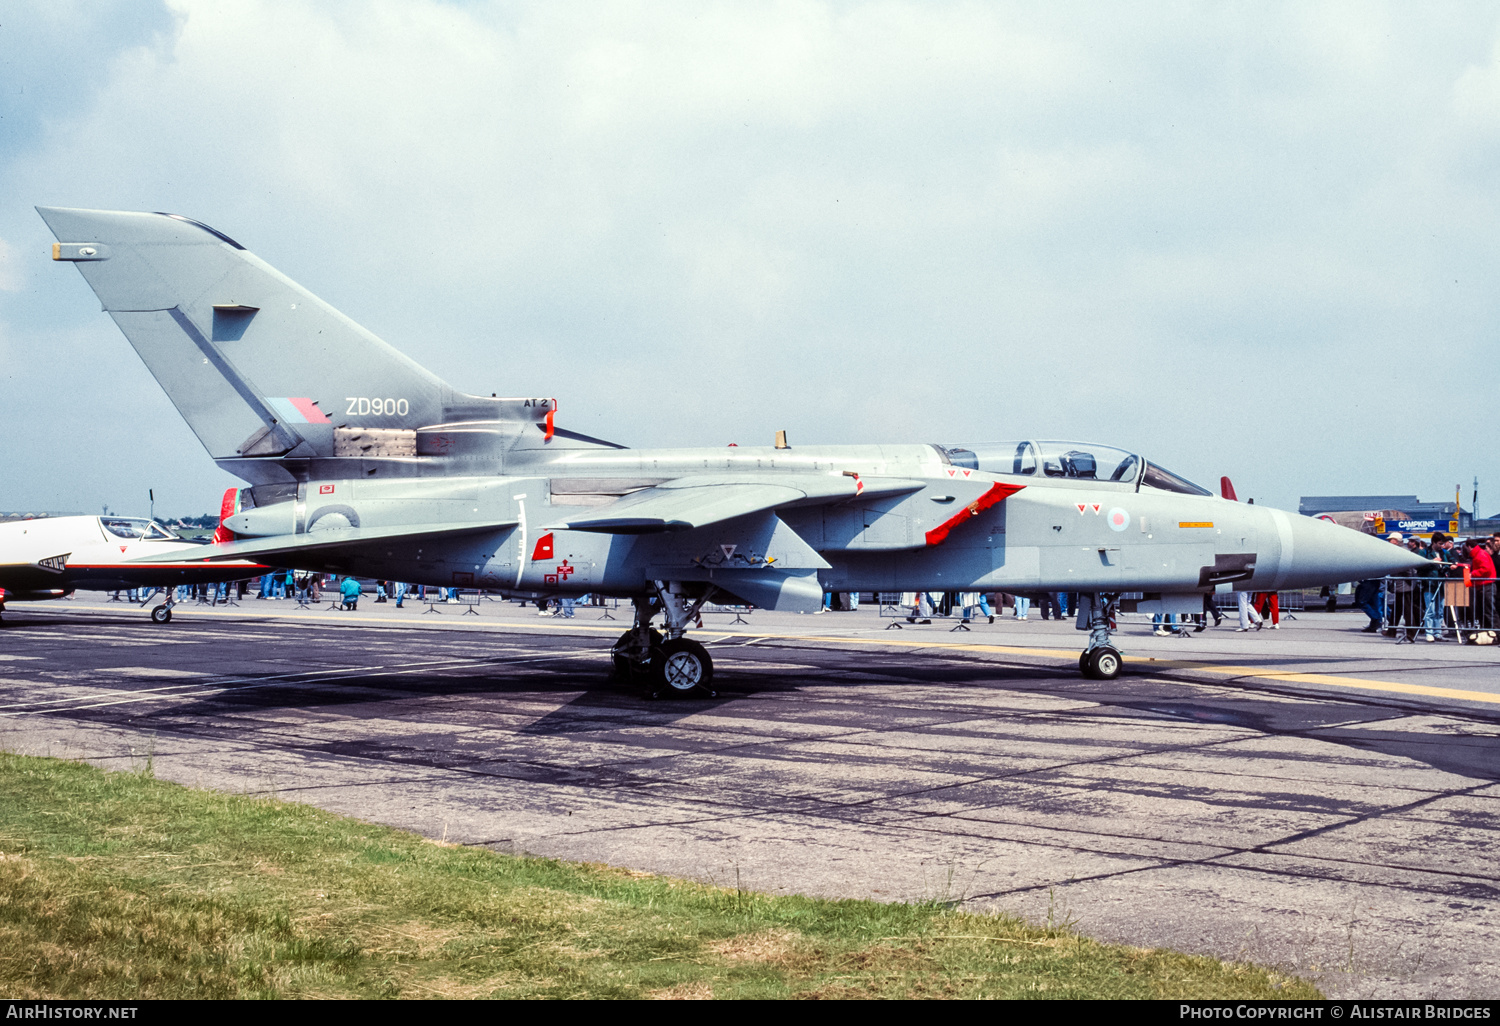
{"points": [[361, 406]]}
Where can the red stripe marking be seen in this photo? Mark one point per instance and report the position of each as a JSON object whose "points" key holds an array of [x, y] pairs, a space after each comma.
{"points": [[997, 494], [309, 409]]}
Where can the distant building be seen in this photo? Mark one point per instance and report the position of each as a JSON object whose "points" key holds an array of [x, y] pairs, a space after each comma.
{"points": [[33, 515], [1387, 514]]}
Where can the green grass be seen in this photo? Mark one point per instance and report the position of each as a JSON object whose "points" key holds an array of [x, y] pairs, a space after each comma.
{"points": [[117, 885]]}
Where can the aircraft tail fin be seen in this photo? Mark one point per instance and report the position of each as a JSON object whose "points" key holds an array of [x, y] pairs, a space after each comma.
{"points": [[256, 364], [228, 507]]}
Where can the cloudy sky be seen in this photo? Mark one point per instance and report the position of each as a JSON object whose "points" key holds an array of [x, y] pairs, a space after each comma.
{"points": [[1247, 239]]}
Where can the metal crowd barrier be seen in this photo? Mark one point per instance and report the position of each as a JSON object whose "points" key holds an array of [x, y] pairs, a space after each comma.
{"points": [[914, 607], [1459, 607], [1286, 601], [603, 604], [470, 597], [739, 612]]}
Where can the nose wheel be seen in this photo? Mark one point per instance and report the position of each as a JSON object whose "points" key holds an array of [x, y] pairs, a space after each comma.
{"points": [[1101, 663], [161, 613], [1100, 660]]}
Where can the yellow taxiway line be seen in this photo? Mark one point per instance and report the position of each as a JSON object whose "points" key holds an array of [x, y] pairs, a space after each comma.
{"points": [[1215, 668], [1220, 669]]}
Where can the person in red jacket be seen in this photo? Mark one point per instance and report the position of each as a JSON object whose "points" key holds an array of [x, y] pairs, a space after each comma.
{"points": [[1482, 573]]}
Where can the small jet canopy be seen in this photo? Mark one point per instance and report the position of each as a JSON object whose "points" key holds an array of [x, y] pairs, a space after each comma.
{"points": [[136, 527], [1086, 461]]}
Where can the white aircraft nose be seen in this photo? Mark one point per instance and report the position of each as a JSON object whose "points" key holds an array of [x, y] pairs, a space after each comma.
{"points": [[1322, 553]]}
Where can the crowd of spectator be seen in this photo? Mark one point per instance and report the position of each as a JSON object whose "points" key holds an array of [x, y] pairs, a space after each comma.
{"points": [[305, 588], [1454, 593]]}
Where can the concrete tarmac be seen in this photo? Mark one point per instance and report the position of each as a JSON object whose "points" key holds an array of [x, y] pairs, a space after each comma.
{"points": [[1311, 798]]}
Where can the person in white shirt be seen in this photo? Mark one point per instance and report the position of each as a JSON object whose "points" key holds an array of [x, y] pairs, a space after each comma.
{"points": [[1249, 618]]}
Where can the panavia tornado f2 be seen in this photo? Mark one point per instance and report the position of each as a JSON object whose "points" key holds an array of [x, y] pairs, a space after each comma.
{"points": [[361, 462]]}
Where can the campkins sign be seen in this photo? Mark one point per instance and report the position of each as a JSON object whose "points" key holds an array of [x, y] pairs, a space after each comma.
{"points": [[1415, 526]]}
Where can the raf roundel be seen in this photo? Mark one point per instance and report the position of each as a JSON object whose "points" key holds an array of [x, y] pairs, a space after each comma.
{"points": [[1117, 519]]}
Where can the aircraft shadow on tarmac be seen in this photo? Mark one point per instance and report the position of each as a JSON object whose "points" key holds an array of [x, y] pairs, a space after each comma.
{"points": [[1473, 756], [599, 702]]}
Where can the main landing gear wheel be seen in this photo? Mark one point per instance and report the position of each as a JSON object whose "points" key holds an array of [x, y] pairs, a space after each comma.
{"points": [[630, 661], [1101, 664], [681, 666], [161, 614]]}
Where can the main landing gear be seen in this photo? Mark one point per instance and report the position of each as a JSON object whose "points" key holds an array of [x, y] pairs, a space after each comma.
{"points": [[668, 665], [1100, 659]]}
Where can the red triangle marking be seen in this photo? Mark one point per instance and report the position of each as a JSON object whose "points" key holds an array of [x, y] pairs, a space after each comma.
{"points": [[122, 548], [1095, 506], [1081, 507]]}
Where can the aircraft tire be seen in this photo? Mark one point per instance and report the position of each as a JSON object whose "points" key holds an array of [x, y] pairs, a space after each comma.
{"points": [[161, 614], [1083, 664], [1103, 664], [681, 666], [624, 665]]}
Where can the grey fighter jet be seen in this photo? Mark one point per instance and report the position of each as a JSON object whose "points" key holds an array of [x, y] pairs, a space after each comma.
{"points": [[359, 461]]}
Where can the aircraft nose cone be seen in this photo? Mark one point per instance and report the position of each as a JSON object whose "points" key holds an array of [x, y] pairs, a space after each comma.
{"points": [[1323, 553]]}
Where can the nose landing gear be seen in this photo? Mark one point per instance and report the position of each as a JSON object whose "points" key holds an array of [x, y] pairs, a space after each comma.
{"points": [[163, 612], [1100, 659]]}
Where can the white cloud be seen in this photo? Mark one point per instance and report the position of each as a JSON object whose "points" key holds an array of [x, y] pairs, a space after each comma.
{"points": [[858, 221], [11, 270]]}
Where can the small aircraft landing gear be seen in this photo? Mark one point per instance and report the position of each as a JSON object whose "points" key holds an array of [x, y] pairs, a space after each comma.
{"points": [[670, 664], [163, 612], [1100, 660]]}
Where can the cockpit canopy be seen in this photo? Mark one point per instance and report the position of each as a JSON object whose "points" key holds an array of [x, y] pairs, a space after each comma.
{"points": [[1086, 461], [136, 527]]}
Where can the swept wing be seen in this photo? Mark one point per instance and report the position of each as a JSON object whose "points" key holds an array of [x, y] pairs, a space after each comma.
{"points": [[701, 501]]}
